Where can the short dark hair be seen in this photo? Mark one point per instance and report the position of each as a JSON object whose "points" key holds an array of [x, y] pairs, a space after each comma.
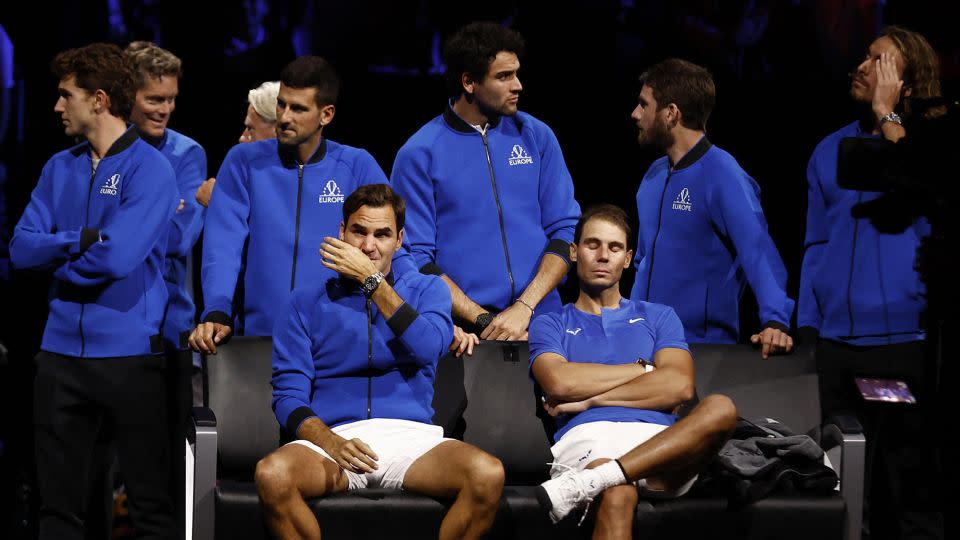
{"points": [[313, 72], [151, 61], [472, 48], [689, 86], [608, 212], [375, 196], [100, 66]]}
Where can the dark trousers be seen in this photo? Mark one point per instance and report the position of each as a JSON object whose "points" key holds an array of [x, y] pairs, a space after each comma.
{"points": [[74, 398], [179, 384], [903, 467]]}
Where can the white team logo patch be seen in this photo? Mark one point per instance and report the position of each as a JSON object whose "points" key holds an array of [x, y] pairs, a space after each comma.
{"points": [[682, 202], [638, 319], [331, 193], [111, 186], [574, 332], [519, 156]]}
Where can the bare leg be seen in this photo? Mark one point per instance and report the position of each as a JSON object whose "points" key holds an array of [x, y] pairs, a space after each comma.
{"points": [[670, 458], [285, 479], [474, 477], [618, 505], [666, 461]]}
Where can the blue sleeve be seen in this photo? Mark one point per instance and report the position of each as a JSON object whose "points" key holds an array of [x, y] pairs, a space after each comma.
{"points": [[188, 222], [669, 332], [34, 244], [559, 210], [147, 202], [226, 231], [293, 369], [368, 171], [545, 336], [814, 244], [426, 330], [412, 181], [736, 212]]}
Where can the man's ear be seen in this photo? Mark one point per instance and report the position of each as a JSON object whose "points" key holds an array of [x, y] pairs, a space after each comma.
{"points": [[573, 252], [342, 230], [629, 259], [101, 101], [400, 239], [468, 84], [327, 112], [676, 116], [907, 91]]}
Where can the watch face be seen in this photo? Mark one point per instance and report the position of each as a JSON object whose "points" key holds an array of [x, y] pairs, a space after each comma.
{"points": [[484, 319]]}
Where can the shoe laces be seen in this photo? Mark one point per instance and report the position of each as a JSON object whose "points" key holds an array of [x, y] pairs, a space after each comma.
{"points": [[578, 485]]}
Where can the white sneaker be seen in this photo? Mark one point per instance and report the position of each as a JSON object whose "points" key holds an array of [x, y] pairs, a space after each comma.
{"points": [[564, 494]]}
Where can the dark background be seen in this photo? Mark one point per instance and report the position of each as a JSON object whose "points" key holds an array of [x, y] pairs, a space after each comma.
{"points": [[780, 67]]}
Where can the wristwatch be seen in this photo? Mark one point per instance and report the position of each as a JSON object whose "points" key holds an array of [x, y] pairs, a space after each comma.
{"points": [[891, 117], [371, 283], [483, 320]]}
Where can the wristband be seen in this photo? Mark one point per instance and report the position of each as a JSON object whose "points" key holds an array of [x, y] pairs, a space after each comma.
{"points": [[532, 311]]}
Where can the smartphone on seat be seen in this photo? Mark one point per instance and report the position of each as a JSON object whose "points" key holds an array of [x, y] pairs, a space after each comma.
{"points": [[885, 390]]}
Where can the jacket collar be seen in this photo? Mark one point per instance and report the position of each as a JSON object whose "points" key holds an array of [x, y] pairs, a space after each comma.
{"points": [[694, 154], [289, 158], [459, 124], [125, 141]]}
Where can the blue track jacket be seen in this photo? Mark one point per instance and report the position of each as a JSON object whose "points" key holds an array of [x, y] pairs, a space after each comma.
{"points": [[335, 357], [634, 331], [267, 218], [857, 284], [103, 236], [702, 235], [189, 163], [483, 209]]}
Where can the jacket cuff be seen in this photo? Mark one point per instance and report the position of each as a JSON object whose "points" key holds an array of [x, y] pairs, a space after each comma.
{"points": [[431, 269], [88, 237], [560, 248], [402, 319], [297, 417], [778, 325], [219, 317]]}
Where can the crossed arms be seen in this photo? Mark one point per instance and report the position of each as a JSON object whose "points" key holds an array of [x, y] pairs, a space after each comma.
{"points": [[572, 387]]}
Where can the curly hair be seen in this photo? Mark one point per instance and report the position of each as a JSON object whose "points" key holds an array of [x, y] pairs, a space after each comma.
{"points": [[264, 100], [473, 48], [921, 67], [100, 66], [151, 61]]}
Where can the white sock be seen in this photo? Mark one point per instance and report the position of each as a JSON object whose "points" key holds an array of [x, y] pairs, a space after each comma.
{"points": [[603, 477]]}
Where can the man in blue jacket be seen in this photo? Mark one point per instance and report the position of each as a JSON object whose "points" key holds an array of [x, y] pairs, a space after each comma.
{"points": [[98, 221], [158, 79], [860, 292], [275, 201], [702, 233], [613, 370], [491, 207], [354, 360]]}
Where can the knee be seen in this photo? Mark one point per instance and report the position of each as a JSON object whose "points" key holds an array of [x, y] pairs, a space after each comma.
{"points": [[619, 501], [273, 478], [486, 477], [722, 412]]}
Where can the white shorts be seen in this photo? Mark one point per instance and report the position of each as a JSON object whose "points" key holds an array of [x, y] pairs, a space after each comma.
{"points": [[589, 442], [398, 443]]}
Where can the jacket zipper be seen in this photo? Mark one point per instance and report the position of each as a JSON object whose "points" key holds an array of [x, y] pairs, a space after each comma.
{"points": [[853, 259], [296, 234], [86, 221], [503, 232], [653, 248], [369, 361]]}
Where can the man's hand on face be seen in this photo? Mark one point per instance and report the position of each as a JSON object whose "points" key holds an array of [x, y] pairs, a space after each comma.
{"points": [[772, 341], [889, 84], [509, 325], [206, 336], [463, 342], [346, 259]]}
